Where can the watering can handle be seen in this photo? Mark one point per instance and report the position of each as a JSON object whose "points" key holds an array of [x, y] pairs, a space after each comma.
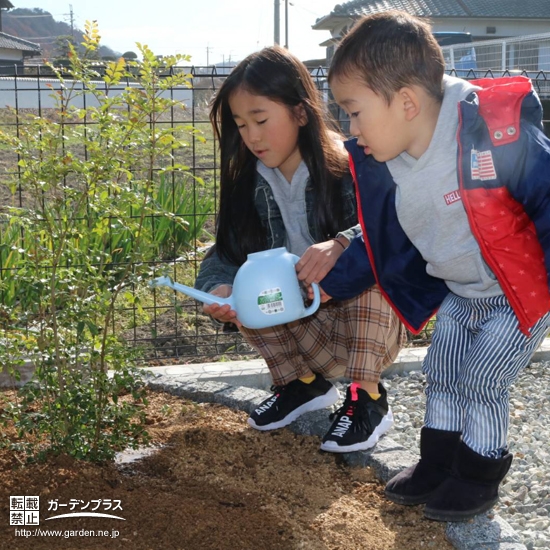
{"points": [[316, 294], [316, 301]]}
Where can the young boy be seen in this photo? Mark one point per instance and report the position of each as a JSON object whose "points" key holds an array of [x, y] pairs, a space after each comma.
{"points": [[453, 184]]}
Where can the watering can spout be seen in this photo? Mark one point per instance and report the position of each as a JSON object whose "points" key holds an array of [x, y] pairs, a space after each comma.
{"points": [[204, 297]]}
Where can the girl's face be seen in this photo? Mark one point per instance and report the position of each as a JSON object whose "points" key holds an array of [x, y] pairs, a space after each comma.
{"points": [[269, 129]]}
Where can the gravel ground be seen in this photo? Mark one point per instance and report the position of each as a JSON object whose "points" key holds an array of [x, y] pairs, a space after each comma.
{"points": [[524, 495]]}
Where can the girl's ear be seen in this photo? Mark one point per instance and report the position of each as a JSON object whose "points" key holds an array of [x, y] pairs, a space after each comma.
{"points": [[300, 114]]}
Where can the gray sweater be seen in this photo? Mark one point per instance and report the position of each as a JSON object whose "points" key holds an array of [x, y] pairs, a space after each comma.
{"points": [[291, 199], [431, 212]]}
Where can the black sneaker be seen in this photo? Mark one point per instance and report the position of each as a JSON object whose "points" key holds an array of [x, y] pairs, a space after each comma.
{"points": [[359, 422], [291, 401]]}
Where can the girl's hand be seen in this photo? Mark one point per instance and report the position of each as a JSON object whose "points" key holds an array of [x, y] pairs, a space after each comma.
{"points": [[223, 313], [319, 259]]}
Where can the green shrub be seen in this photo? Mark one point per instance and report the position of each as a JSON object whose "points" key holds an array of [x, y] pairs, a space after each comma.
{"points": [[98, 211], [187, 209]]}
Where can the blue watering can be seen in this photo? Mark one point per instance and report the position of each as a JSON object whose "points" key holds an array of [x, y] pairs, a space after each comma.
{"points": [[266, 290]]}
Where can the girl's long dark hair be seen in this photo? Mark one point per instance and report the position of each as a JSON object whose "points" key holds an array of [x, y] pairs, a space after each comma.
{"points": [[276, 74]]}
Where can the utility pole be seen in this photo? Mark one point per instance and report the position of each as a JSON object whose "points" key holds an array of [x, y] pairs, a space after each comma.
{"points": [[71, 19], [208, 48], [286, 24], [277, 21]]}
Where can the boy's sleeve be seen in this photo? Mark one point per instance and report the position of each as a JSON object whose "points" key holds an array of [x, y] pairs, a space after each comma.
{"points": [[352, 273]]}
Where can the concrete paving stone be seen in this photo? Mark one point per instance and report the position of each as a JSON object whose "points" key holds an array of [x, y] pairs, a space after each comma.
{"points": [[199, 391], [408, 360], [312, 423], [375, 457], [240, 398], [259, 380], [386, 444], [150, 374], [484, 532], [161, 383], [178, 370], [357, 459], [390, 463], [220, 368]]}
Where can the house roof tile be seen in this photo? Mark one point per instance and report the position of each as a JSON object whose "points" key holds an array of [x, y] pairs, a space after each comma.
{"points": [[449, 8], [15, 43]]}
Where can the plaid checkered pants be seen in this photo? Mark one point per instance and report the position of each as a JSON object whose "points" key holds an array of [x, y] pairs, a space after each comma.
{"points": [[355, 338]]}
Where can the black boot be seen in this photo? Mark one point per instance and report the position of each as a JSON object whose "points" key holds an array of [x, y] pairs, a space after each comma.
{"points": [[472, 487], [416, 484]]}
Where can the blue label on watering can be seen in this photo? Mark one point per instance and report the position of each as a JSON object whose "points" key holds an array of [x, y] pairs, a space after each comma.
{"points": [[271, 301]]}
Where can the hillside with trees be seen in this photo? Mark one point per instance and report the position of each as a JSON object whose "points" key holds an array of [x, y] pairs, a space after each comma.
{"points": [[40, 27]]}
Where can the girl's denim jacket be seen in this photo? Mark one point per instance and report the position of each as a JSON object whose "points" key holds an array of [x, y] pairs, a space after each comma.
{"points": [[215, 271]]}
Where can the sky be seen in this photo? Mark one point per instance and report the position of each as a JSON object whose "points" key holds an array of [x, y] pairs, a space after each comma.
{"points": [[210, 31]]}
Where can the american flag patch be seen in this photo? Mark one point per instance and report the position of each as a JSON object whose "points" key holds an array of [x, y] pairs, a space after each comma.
{"points": [[482, 165]]}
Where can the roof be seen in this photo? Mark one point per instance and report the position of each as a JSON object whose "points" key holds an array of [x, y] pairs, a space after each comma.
{"points": [[6, 4], [500, 9], [10, 42]]}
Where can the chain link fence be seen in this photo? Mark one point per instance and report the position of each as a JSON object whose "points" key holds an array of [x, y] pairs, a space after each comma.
{"points": [[168, 328]]}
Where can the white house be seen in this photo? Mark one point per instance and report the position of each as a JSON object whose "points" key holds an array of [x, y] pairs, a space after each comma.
{"points": [[483, 19], [13, 50]]}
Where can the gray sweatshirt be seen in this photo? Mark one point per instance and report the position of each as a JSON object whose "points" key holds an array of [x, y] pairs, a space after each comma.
{"points": [[291, 199], [431, 212]]}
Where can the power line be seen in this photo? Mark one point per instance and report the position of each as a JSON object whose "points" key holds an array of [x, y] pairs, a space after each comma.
{"points": [[298, 5], [28, 16], [51, 37]]}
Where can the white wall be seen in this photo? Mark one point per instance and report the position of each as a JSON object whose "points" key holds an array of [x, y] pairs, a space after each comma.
{"points": [[10, 55], [504, 27], [33, 93]]}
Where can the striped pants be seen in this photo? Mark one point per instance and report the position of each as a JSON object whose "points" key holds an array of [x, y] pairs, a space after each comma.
{"points": [[356, 338], [477, 352]]}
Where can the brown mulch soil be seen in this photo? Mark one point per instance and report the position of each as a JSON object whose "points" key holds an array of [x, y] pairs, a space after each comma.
{"points": [[216, 484]]}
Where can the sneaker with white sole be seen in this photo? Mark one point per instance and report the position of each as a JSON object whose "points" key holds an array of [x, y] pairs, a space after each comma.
{"points": [[291, 401], [359, 422]]}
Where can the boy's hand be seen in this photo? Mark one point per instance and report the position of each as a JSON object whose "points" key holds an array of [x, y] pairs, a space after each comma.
{"points": [[324, 296], [319, 259], [223, 313]]}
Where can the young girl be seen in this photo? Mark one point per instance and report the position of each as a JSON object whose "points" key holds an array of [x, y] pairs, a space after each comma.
{"points": [[285, 182]]}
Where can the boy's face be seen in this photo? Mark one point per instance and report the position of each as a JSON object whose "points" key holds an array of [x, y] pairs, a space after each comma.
{"points": [[380, 128]]}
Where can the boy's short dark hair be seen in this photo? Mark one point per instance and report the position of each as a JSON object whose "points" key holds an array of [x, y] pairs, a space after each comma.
{"points": [[388, 51]]}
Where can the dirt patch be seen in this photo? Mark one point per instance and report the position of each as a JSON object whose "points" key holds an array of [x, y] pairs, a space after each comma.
{"points": [[216, 484]]}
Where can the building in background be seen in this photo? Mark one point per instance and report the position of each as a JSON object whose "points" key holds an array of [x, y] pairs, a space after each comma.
{"points": [[13, 50], [483, 19]]}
